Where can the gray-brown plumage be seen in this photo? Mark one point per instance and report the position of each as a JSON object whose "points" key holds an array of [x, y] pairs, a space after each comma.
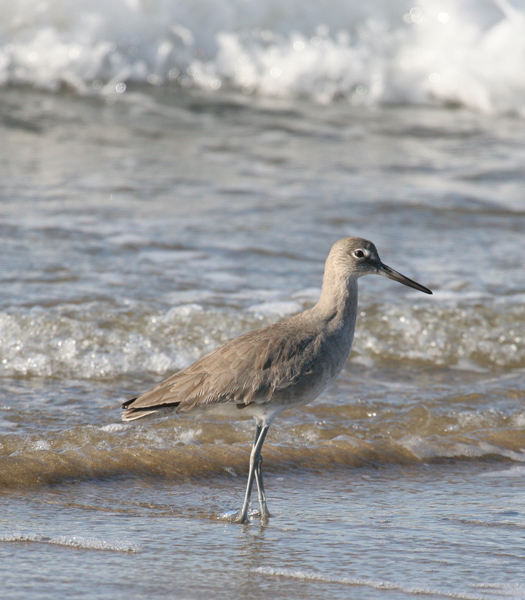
{"points": [[272, 369]]}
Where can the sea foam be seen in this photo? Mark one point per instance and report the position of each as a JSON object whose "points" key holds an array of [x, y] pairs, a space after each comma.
{"points": [[360, 582], [75, 541], [68, 341], [451, 52]]}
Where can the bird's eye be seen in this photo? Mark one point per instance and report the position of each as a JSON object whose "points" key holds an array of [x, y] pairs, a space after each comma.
{"points": [[359, 253]]}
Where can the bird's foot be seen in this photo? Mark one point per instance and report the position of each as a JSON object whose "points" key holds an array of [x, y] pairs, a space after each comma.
{"points": [[245, 518], [241, 518]]}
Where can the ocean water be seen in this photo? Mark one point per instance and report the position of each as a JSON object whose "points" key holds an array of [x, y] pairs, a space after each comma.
{"points": [[466, 53], [173, 174]]}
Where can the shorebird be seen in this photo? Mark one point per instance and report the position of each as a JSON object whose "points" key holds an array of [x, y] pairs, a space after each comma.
{"points": [[269, 370]]}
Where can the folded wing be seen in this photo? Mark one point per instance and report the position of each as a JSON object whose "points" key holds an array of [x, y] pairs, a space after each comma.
{"points": [[251, 368]]}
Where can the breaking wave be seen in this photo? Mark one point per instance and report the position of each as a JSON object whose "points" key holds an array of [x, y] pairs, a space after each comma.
{"points": [[451, 53], [328, 437], [95, 342]]}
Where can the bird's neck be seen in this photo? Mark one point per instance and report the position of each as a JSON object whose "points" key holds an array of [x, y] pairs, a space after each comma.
{"points": [[338, 301]]}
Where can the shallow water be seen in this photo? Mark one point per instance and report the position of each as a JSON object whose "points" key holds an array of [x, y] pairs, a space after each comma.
{"points": [[142, 230], [438, 531]]}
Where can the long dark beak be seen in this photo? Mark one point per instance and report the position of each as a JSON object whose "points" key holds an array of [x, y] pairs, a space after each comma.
{"points": [[391, 274]]}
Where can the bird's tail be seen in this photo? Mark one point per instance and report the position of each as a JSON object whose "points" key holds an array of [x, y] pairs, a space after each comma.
{"points": [[132, 413]]}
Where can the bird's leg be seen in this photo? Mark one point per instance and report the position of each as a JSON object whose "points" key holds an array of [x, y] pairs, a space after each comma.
{"points": [[255, 459], [259, 479], [265, 513], [243, 515]]}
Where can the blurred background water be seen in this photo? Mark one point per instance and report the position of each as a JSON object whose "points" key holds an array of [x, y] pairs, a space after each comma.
{"points": [[173, 174]]}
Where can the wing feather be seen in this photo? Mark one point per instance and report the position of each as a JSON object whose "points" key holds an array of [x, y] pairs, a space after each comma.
{"points": [[250, 368]]}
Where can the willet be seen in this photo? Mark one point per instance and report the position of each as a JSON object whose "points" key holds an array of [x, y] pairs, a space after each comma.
{"points": [[266, 371]]}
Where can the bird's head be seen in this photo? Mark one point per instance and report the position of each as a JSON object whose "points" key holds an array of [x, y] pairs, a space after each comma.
{"points": [[354, 257]]}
